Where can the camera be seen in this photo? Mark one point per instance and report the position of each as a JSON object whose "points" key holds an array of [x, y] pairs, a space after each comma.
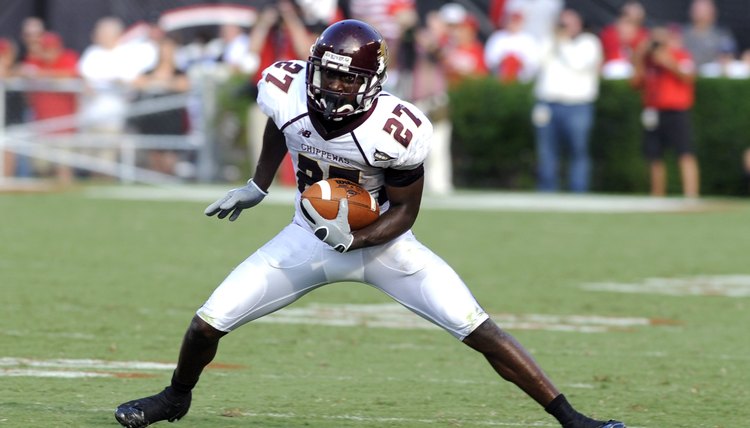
{"points": [[654, 45]]}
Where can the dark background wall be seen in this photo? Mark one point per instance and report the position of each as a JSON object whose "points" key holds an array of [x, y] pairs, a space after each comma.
{"points": [[74, 19]]}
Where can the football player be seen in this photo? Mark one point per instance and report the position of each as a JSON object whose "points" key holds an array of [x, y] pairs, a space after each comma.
{"points": [[332, 116]]}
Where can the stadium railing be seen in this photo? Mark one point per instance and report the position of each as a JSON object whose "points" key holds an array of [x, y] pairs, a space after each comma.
{"points": [[43, 139]]}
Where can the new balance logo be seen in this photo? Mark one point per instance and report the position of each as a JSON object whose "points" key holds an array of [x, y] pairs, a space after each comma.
{"points": [[304, 132]]}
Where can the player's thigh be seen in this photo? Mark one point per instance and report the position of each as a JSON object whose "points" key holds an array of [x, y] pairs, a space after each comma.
{"points": [[274, 276], [417, 278]]}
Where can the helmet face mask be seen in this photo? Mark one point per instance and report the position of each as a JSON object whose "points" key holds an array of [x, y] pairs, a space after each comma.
{"points": [[346, 69]]}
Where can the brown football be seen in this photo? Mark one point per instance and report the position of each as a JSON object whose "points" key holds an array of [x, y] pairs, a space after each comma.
{"points": [[325, 195]]}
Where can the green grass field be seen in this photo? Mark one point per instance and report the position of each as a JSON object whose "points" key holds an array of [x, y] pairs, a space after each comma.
{"points": [[93, 289]]}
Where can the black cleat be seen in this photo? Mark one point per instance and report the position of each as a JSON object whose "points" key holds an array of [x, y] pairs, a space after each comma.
{"points": [[164, 406], [612, 424]]}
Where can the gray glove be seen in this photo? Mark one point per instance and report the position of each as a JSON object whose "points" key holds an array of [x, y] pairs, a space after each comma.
{"points": [[336, 232], [237, 200]]}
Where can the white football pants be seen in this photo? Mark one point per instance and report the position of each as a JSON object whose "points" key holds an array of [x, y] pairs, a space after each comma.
{"points": [[295, 262]]}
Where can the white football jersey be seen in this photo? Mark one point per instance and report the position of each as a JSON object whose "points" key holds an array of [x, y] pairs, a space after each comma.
{"points": [[395, 134]]}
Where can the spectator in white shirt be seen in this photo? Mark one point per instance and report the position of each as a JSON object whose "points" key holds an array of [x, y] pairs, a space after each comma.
{"points": [[566, 88], [540, 16], [511, 53], [107, 66]]}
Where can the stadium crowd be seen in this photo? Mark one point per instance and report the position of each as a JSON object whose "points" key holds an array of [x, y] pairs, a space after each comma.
{"points": [[534, 41]]}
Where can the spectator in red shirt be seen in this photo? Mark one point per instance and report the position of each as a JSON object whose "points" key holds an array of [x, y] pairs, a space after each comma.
{"points": [[665, 73], [53, 61], [462, 53], [621, 39], [279, 34]]}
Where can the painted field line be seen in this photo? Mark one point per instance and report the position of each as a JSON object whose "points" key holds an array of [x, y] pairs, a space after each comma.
{"points": [[82, 368], [64, 374], [441, 381], [394, 316], [409, 422], [707, 285], [85, 363]]}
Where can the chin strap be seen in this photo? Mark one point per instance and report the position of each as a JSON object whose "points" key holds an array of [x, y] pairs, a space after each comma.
{"points": [[328, 113]]}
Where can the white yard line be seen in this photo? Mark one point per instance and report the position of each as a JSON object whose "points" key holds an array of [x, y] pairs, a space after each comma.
{"points": [[388, 315], [85, 363], [65, 374], [717, 285], [462, 200], [392, 315], [405, 421]]}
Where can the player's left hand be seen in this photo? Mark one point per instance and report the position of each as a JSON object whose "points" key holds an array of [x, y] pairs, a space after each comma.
{"points": [[336, 232]]}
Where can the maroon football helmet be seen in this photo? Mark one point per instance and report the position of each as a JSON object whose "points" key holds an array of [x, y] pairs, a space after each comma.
{"points": [[352, 48]]}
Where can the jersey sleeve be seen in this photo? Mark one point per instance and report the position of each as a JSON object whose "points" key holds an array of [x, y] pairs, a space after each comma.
{"points": [[276, 87], [417, 130], [401, 133]]}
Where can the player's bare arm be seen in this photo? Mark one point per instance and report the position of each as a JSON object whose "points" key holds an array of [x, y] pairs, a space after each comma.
{"points": [[405, 202], [271, 154], [251, 194]]}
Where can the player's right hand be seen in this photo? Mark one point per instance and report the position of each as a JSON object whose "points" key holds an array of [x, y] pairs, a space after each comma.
{"points": [[336, 232], [237, 200]]}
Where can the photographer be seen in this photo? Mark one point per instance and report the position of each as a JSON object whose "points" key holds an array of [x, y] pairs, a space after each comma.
{"points": [[665, 74], [566, 88]]}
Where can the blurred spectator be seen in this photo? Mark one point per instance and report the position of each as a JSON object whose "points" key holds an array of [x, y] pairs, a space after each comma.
{"points": [[164, 79], [8, 56], [620, 40], [462, 53], [221, 56], [396, 20], [13, 100], [540, 16], [703, 38], [107, 67], [447, 50], [279, 34], [318, 14], [429, 93], [141, 42], [52, 62], [429, 79], [510, 53], [201, 51], [665, 73], [235, 53], [32, 29], [566, 88], [726, 65], [496, 13]]}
